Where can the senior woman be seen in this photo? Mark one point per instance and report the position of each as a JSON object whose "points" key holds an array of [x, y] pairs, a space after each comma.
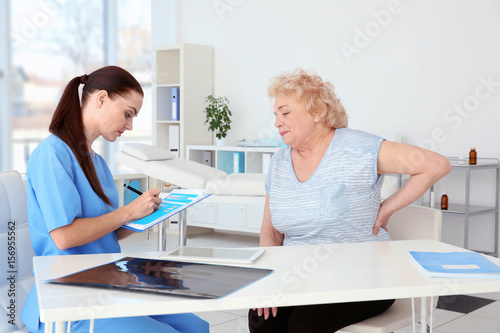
{"points": [[325, 188]]}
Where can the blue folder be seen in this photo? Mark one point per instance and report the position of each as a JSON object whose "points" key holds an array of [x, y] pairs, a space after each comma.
{"points": [[455, 264]]}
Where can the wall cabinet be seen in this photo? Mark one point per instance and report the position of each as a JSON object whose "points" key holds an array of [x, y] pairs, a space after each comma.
{"points": [[182, 80], [230, 213]]}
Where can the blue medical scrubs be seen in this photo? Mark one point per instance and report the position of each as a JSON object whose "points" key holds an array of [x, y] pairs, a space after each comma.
{"points": [[58, 192]]}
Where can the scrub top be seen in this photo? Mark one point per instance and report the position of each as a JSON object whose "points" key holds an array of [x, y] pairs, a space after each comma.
{"points": [[58, 192]]}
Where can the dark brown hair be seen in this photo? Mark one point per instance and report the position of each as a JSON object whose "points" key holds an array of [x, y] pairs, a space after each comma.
{"points": [[67, 121]]}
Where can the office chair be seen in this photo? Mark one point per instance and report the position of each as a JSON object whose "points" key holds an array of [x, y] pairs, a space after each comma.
{"points": [[411, 222], [16, 253]]}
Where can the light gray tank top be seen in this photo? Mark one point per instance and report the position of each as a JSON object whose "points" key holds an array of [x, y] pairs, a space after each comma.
{"points": [[339, 203]]}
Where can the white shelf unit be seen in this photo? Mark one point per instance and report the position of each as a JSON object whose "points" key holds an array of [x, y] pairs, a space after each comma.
{"points": [[230, 213], [465, 211], [251, 159], [188, 68]]}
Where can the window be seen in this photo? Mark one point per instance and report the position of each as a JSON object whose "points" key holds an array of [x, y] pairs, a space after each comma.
{"points": [[134, 54], [53, 41]]}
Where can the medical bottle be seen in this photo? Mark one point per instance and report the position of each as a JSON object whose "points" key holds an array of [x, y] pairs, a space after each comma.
{"points": [[444, 201], [472, 156]]}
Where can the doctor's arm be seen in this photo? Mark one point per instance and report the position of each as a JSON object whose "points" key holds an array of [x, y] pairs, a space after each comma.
{"points": [[424, 167], [122, 233], [86, 230]]}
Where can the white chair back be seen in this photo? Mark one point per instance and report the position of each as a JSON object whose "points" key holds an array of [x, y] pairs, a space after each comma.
{"points": [[415, 222], [411, 222], [16, 253]]}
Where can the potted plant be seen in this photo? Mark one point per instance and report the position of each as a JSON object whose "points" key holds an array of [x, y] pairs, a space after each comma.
{"points": [[218, 116]]}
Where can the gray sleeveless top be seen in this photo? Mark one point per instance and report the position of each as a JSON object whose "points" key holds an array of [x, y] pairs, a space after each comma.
{"points": [[339, 203]]}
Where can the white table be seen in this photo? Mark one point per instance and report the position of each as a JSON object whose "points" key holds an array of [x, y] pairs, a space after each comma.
{"points": [[303, 275]]}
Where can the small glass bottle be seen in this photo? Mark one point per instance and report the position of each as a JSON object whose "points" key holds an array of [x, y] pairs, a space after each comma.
{"points": [[444, 201], [473, 156]]}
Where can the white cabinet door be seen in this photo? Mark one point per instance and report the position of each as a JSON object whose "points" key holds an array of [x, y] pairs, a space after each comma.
{"points": [[231, 214], [255, 213], [202, 213]]}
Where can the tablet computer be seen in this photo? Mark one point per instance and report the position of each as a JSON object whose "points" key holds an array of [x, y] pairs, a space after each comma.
{"points": [[215, 254]]}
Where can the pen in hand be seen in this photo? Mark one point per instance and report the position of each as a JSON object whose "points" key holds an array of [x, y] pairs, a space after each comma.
{"points": [[138, 192], [132, 189]]}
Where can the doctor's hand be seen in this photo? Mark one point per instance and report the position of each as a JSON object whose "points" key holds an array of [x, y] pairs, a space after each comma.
{"points": [[265, 311], [144, 205]]}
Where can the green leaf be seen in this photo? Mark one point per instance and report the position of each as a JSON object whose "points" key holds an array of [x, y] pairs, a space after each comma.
{"points": [[218, 114]]}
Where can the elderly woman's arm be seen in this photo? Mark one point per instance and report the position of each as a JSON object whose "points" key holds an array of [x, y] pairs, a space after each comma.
{"points": [[269, 236], [424, 167]]}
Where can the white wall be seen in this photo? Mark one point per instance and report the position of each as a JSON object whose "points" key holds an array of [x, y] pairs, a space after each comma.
{"points": [[425, 58], [166, 16], [414, 67]]}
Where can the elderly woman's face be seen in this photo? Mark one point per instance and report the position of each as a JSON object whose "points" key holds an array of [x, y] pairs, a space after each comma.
{"points": [[294, 123]]}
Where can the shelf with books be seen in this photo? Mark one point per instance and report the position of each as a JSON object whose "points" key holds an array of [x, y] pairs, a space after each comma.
{"points": [[182, 79], [167, 103], [247, 159]]}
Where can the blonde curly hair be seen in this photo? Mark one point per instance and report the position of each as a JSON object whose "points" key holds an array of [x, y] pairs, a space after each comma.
{"points": [[309, 88]]}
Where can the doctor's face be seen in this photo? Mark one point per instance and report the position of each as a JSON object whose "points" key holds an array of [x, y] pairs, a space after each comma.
{"points": [[118, 114]]}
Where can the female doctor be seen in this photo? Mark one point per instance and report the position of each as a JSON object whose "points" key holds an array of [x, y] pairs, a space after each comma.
{"points": [[72, 197]]}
